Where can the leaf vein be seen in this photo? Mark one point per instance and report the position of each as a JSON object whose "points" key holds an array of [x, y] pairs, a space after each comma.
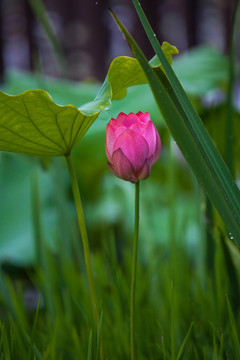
{"points": [[24, 138], [35, 125], [25, 147], [60, 130], [79, 129], [71, 132]]}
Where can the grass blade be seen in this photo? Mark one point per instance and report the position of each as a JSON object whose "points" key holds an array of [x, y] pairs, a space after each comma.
{"points": [[234, 331], [4, 345], [233, 287], [184, 342], [173, 337], [90, 341], [99, 337], [31, 340]]}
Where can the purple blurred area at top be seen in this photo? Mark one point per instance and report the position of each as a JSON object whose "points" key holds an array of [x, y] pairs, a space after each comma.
{"points": [[90, 39]]}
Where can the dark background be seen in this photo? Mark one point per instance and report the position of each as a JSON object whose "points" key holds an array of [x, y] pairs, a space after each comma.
{"points": [[90, 39]]}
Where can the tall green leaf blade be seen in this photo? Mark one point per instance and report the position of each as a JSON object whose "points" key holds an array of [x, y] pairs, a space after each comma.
{"points": [[234, 331], [180, 352], [193, 140], [216, 165]]}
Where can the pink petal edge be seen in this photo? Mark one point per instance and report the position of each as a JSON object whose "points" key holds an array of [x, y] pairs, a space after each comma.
{"points": [[110, 139], [120, 118], [143, 117], [130, 119], [157, 149], [144, 171]]}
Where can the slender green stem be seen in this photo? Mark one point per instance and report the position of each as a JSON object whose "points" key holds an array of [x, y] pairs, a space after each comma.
{"points": [[86, 251], [134, 274], [173, 345], [210, 241], [83, 231]]}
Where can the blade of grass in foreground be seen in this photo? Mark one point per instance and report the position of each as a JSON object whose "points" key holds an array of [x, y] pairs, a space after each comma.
{"points": [[190, 135], [184, 342], [4, 344], [234, 331], [224, 179], [173, 339], [89, 354]]}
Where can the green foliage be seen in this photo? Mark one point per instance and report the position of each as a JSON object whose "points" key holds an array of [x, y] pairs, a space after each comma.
{"points": [[57, 322]]}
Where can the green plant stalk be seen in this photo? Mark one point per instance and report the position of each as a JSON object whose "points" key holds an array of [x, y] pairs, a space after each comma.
{"points": [[173, 345], [134, 274], [232, 286], [210, 242], [83, 231]]}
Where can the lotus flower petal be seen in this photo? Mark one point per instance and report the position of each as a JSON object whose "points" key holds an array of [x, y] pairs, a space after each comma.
{"points": [[130, 119], [121, 117], [143, 117], [120, 130], [145, 170], [138, 127], [134, 147], [114, 124], [149, 135], [121, 166], [109, 141], [157, 149]]}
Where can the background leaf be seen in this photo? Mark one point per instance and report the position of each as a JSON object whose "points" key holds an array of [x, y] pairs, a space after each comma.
{"points": [[125, 71], [201, 70]]}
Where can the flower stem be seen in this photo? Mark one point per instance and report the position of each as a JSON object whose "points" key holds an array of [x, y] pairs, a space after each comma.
{"points": [[83, 231], [134, 273]]}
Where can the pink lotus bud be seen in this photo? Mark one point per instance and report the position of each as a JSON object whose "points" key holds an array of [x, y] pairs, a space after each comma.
{"points": [[132, 146]]}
